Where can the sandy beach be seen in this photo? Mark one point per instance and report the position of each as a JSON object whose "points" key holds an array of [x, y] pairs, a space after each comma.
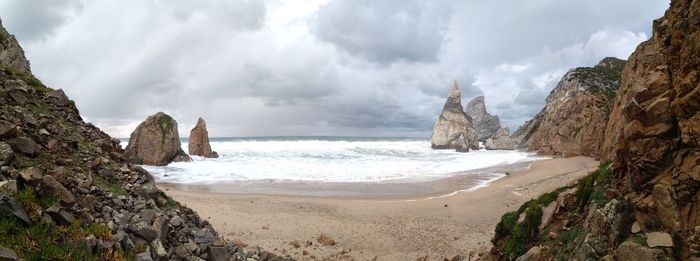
{"points": [[381, 228]]}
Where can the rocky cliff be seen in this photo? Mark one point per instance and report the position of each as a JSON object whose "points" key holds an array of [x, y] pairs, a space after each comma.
{"points": [[485, 124], [576, 112], [155, 141], [198, 143], [11, 54], [500, 140], [453, 129], [644, 204], [67, 192]]}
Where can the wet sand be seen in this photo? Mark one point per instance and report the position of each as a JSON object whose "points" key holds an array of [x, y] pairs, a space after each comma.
{"points": [[395, 227]]}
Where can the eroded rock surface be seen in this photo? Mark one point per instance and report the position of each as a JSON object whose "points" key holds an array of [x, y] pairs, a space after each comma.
{"points": [[485, 124], [155, 142], [453, 129], [500, 140], [199, 141], [576, 112], [11, 54]]}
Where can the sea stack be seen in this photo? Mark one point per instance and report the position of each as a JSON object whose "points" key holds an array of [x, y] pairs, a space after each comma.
{"points": [[199, 141], [155, 141], [485, 124], [500, 140], [453, 129]]}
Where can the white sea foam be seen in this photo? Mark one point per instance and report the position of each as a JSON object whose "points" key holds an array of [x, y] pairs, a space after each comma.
{"points": [[330, 160]]}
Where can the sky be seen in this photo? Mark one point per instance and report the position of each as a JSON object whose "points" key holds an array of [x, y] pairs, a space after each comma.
{"points": [[315, 67]]}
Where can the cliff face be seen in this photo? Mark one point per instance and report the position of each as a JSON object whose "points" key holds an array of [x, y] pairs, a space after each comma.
{"points": [[576, 112], [644, 204], [484, 123], [11, 54], [653, 136], [453, 129], [67, 191]]}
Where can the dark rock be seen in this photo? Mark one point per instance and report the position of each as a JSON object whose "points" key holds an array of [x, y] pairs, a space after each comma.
{"points": [[23, 145], [59, 98], [8, 187], [63, 218], [218, 254], [199, 141], [7, 129], [10, 207], [49, 186], [7, 254], [484, 123], [155, 141], [6, 154], [143, 230]]}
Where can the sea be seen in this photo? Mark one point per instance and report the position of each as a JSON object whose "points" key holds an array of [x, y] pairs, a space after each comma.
{"points": [[329, 159]]}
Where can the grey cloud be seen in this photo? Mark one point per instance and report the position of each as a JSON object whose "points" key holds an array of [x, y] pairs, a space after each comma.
{"points": [[385, 31], [36, 20], [344, 68]]}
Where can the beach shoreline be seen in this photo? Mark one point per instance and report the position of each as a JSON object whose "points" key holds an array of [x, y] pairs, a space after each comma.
{"points": [[388, 228]]}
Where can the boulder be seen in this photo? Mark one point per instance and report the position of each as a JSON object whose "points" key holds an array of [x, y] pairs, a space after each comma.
{"points": [[10, 206], [547, 214], [533, 254], [23, 145], [500, 140], [453, 125], [8, 187], [6, 154], [659, 239], [485, 124], [7, 254], [199, 141], [325, 240], [49, 186], [32, 175], [666, 208], [59, 98], [155, 141], [629, 250], [7, 129]]}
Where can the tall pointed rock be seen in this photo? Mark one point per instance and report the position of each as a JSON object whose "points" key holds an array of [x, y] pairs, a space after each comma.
{"points": [[199, 141], [485, 124], [453, 129]]}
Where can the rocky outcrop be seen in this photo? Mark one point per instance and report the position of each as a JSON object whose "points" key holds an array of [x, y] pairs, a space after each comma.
{"points": [[522, 135], [576, 112], [500, 140], [155, 142], [11, 54], [75, 196], [485, 124], [653, 136], [645, 205], [453, 129], [199, 141]]}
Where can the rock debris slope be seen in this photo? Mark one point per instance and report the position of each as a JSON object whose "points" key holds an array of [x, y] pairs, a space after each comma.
{"points": [[68, 192]]}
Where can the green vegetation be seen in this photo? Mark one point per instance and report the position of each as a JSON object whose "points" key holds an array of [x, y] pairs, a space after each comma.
{"points": [[603, 78], [569, 242], [165, 123], [109, 185], [170, 203], [639, 240], [594, 182]]}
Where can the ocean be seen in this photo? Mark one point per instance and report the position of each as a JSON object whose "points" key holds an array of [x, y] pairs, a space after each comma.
{"points": [[329, 159]]}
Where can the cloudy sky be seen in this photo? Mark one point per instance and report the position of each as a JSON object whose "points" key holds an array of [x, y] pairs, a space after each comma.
{"points": [[315, 67]]}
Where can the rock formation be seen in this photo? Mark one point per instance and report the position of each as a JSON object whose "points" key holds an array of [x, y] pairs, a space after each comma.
{"points": [[11, 54], [522, 135], [155, 142], [453, 129], [67, 191], [500, 140], [576, 112], [199, 141], [485, 124], [645, 205]]}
